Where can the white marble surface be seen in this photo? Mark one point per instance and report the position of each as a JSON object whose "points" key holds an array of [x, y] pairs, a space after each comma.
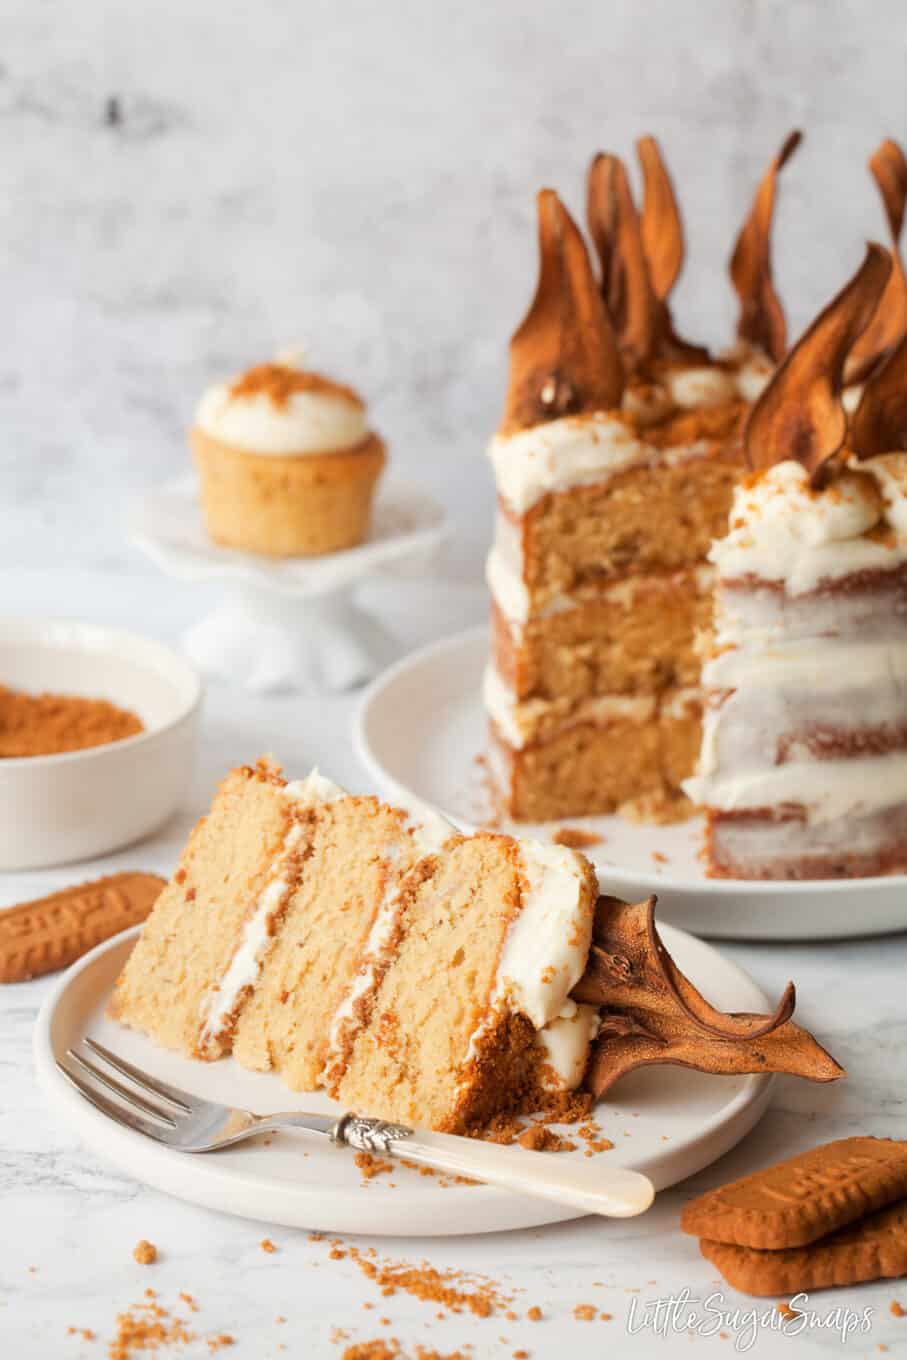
{"points": [[75, 1220]]}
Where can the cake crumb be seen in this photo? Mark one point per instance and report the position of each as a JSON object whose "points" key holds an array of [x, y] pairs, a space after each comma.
{"points": [[539, 1138], [575, 838], [267, 1245], [144, 1252], [371, 1166], [585, 1312]]}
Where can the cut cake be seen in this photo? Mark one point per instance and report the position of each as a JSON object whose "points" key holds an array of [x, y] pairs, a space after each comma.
{"points": [[615, 466]]}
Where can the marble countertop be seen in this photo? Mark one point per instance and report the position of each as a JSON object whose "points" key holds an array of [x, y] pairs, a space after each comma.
{"points": [[70, 1221]]}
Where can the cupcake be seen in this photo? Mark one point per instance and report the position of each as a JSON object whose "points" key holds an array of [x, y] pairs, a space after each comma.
{"points": [[287, 463]]}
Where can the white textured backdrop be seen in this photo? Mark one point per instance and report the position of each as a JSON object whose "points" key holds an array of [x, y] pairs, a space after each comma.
{"points": [[187, 186]]}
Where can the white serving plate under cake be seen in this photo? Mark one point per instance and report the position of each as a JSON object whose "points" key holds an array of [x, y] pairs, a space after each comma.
{"points": [[77, 805], [421, 729], [667, 1122]]}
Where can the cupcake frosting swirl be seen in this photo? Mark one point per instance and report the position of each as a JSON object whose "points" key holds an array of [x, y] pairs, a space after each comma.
{"points": [[279, 410]]}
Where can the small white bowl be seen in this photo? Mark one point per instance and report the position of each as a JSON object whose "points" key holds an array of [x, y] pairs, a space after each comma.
{"points": [[80, 804]]}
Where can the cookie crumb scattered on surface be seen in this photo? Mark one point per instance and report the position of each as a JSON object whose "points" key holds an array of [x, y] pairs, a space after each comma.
{"points": [[585, 1312], [458, 1291], [575, 838], [535, 1313], [896, 1310], [144, 1252], [372, 1350], [267, 1245], [372, 1166]]}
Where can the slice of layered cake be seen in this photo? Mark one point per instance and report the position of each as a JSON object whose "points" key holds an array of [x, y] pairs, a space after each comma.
{"points": [[411, 971], [615, 465], [414, 973], [803, 767]]}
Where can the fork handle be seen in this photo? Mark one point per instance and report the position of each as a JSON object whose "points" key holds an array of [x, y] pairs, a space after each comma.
{"points": [[591, 1188]]}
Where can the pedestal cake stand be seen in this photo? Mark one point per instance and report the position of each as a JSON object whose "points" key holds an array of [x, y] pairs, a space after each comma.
{"points": [[288, 623]]}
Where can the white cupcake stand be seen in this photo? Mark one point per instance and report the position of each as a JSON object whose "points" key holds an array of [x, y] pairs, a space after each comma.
{"points": [[288, 623]]}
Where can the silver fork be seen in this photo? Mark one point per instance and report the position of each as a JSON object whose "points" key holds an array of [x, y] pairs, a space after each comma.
{"points": [[185, 1122]]}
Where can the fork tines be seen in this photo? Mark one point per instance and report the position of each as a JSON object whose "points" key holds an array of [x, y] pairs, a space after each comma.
{"points": [[147, 1105]]}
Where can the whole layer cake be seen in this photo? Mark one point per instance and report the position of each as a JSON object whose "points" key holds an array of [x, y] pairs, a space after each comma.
{"points": [[615, 466], [414, 973], [803, 767]]}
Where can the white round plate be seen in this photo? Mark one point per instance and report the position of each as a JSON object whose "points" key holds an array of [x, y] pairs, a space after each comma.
{"points": [[668, 1122], [420, 729]]}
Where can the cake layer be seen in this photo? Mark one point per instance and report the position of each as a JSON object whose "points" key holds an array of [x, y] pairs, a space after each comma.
{"points": [[240, 865], [622, 764], [635, 637], [770, 845], [656, 517], [694, 411]]}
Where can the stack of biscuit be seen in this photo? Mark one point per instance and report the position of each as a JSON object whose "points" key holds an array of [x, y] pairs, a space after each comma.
{"points": [[836, 1215]]}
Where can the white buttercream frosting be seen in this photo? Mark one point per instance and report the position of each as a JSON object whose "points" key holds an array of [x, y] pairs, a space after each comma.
{"points": [[890, 473], [791, 672], [308, 421], [571, 451], [698, 387], [782, 531], [825, 789], [565, 1044], [520, 720], [547, 944], [315, 788]]}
